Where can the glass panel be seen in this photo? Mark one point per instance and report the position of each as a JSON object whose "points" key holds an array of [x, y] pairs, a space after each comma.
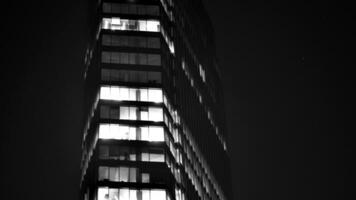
{"points": [[104, 131], [155, 114], [103, 173], [124, 194], [143, 25], [105, 57], [124, 112], [154, 59], [154, 77], [144, 156], [115, 57], [143, 95], [145, 178], [105, 92], [132, 133], [145, 195], [105, 74], [153, 26], [133, 194], [156, 157], [123, 132], [155, 95], [104, 112], [114, 93], [156, 133], [133, 94], [154, 43], [144, 114], [158, 194], [103, 151], [133, 172], [103, 193], [124, 174], [114, 174], [113, 194], [124, 93], [144, 133]]}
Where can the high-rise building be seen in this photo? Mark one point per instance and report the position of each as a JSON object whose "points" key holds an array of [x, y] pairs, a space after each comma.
{"points": [[155, 127]]}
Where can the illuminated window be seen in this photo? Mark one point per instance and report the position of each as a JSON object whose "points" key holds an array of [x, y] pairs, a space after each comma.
{"points": [[119, 93], [145, 194], [145, 178], [155, 114], [117, 174], [155, 95], [103, 193], [154, 155], [131, 25], [156, 134], [106, 193], [158, 194], [124, 174], [133, 194], [124, 194]]}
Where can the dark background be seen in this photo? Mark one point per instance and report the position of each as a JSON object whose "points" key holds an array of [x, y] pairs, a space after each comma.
{"points": [[287, 82]]}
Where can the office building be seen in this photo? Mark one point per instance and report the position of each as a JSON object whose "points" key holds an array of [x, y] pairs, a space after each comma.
{"points": [[154, 110]]}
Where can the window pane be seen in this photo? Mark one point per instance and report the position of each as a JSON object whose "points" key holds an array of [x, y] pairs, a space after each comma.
{"points": [[158, 194], [144, 156], [105, 74], [124, 112], [143, 114], [103, 173], [132, 94], [123, 132], [124, 194], [114, 174], [145, 178], [153, 26], [156, 134], [143, 95], [142, 59], [114, 93], [124, 58], [104, 112], [115, 57], [142, 25], [132, 133], [124, 93], [103, 151], [133, 194], [105, 57], [155, 95], [105, 92], [144, 133], [154, 43], [113, 194], [124, 174], [133, 172], [103, 193], [154, 77], [156, 157], [104, 131], [145, 195], [155, 114], [154, 59]]}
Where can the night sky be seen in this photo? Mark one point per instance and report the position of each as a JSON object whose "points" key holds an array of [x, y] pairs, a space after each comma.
{"points": [[287, 81]]}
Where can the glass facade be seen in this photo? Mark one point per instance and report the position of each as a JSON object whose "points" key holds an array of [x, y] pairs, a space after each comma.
{"points": [[154, 125]]}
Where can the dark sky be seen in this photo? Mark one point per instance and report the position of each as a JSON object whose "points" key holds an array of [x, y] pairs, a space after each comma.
{"points": [[287, 81]]}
